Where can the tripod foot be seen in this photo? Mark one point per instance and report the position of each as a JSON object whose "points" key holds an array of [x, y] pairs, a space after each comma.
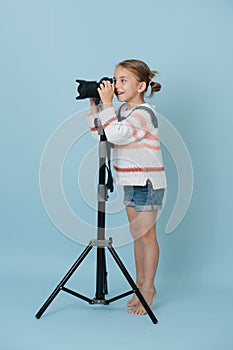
{"points": [[61, 285]]}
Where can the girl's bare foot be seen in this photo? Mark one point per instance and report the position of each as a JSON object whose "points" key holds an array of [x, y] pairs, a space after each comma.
{"points": [[134, 301], [149, 295]]}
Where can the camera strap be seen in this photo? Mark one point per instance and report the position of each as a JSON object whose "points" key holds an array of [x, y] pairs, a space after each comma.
{"points": [[109, 183]]}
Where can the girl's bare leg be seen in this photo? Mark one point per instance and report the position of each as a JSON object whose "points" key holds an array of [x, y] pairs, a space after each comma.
{"points": [[151, 257], [138, 252], [142, 227]]}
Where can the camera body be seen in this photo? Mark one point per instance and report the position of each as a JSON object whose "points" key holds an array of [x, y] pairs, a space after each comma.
{"points": [[88, 89]]}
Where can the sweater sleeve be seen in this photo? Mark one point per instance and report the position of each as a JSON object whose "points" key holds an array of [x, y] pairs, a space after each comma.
{"points": [[93, 128], [129, 130]]}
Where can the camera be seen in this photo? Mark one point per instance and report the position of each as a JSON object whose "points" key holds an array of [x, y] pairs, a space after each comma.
{"points": [[88, 89]]}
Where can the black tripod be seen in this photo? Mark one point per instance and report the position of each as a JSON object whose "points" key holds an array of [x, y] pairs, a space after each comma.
{"points": [[101, 243]]}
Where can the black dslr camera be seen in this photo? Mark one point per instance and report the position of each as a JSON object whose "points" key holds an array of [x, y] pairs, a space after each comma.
{"points": [[88, 89]]}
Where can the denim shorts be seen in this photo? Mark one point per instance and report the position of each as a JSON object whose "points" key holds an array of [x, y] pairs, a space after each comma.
{"points": [[143, 198]]}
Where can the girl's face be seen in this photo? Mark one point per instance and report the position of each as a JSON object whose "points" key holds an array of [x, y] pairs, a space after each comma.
{"points": [[127, 87]]}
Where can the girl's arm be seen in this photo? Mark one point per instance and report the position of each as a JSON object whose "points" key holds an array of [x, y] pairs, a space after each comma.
{"points": [[131, 129], [125, 132]]}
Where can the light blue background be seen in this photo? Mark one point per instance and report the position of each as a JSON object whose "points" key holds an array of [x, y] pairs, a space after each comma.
{"points": [[45, 46]]}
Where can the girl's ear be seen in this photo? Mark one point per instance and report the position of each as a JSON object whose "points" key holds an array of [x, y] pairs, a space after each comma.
{"points": [[142, 86]]}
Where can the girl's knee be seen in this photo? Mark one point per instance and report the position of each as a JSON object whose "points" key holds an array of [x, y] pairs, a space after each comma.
{"points": [[148, 235], [135, 230]]}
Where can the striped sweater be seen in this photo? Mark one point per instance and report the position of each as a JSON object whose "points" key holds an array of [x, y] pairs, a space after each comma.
{"points": [[136, 154]]}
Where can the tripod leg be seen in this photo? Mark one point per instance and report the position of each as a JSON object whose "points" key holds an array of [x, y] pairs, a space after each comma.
{"points": [[63, 281], [133, 285], [105, 277], [101, 275]]}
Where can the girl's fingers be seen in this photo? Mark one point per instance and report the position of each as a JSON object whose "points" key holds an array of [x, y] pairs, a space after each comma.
{"points": [[106, 84], [106, 91]]}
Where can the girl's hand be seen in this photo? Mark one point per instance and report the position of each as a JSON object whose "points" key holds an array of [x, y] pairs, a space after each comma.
{"points": [[106, 92]]}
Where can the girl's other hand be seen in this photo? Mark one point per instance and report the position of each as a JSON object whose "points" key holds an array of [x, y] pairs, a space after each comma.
{"points": [[92, 101]]}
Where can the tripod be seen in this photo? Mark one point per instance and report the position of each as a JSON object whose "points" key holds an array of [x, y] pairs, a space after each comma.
{"points": [[101, 243]]}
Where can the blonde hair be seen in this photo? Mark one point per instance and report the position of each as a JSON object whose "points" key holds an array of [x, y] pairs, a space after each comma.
{"points": [[143, 73]]}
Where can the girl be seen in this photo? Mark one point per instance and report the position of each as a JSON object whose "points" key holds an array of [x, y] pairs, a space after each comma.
{"points": [[138, 163]]}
